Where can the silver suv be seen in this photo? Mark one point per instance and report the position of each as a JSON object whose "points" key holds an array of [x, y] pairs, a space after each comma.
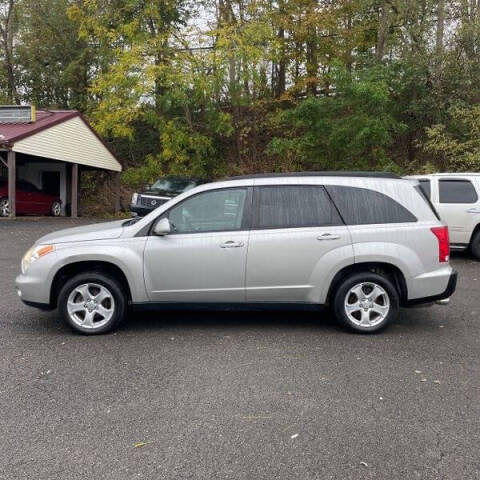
{"points": [[363, 244], [456, 197]]}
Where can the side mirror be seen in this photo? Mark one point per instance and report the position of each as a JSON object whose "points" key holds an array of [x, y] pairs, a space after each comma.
{"points": [[162, 227]]}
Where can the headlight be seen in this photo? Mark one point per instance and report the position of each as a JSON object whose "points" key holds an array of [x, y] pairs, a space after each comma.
{"points": [[34, 254], [134, 198]]}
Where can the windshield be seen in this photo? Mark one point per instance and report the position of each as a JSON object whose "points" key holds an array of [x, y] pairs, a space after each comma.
{"points": [[175, 185]]}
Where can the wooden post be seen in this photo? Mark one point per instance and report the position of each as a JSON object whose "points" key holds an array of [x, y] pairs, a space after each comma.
{"points": [[12, 175], [74, 193], [117, 192]]}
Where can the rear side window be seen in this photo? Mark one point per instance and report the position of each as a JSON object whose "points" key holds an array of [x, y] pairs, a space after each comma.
{"points": [[421, 191], [361, 206], [293, 206], [426, 186], [457, 191]]}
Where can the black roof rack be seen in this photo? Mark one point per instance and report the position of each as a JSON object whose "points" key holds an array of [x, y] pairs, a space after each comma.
{"points": [[318, 174]]}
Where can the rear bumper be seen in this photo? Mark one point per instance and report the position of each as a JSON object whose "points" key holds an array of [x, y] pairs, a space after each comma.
{"points": [[447, 293]]}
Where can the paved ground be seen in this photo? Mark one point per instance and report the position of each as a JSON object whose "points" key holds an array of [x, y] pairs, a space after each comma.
{"points": [[237, 396]]}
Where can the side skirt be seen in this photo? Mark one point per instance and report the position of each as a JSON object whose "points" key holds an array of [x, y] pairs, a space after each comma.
{"points": [[245, 307]]}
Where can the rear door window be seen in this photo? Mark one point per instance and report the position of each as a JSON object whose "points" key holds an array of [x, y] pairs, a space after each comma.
{"points": [[457, 191], [361, 206], [293, 206]]}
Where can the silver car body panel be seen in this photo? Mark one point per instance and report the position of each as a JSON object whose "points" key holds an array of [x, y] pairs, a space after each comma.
{"points": [[278, 265]]}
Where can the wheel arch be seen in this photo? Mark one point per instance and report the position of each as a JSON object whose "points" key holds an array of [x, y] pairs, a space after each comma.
{"points": [[71, 269], [475, 231], [392, 272]]}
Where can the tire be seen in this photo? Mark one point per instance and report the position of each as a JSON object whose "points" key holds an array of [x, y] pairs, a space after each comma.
{"points": [[475, 245], [356, 291], [56, 208], [4, 207], [76, 303]]}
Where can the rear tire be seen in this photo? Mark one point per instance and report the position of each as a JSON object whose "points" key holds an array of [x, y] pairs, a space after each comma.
{"points": [[475, 245], [365, 302], [92, 303]]}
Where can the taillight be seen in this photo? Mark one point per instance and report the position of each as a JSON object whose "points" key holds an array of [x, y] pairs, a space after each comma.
{"points": [[443, 243]]}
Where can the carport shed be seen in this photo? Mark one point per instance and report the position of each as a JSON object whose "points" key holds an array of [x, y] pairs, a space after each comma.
{"points": [[47, 148]]}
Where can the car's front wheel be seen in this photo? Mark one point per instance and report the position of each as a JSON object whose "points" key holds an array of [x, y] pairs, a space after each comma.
{"points": [[4, 207], [366, 302], [92, 303], [56, 208]]}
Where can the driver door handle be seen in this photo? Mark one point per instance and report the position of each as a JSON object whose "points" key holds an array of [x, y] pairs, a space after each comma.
{"points": [[231, 244], [473, 210], [328, 236]]}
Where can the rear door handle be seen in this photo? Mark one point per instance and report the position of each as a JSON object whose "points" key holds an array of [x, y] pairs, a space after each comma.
{"points": [[231, 244], [328, 236], [473, 210]]}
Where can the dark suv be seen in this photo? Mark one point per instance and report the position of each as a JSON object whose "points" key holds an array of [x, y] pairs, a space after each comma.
{"points": [[160, 192]]}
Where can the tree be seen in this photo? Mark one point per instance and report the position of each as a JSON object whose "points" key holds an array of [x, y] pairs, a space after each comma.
{"points": [[8, 29], [351, 129]]}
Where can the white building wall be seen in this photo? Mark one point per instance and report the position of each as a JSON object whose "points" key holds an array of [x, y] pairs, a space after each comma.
{"points": [[70, 141]]}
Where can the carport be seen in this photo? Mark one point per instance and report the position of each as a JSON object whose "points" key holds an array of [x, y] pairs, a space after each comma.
{"points": [[48, 148]]}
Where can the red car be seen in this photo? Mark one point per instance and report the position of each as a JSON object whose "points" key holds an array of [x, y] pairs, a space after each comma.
{"points": [[29, 199]]}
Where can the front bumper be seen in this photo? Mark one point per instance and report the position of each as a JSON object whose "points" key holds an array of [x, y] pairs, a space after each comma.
{"points": [[446, 294], [32, 292], [139, 210]]}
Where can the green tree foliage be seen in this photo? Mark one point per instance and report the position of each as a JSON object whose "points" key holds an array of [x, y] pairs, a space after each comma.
{"points": [[457, 144], [218, 87], [354, 126]]}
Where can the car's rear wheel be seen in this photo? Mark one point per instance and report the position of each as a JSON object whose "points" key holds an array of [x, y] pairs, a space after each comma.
{"points": [[366, 302], [475, 245], [56, 208], [4, 207], [92, 303]]}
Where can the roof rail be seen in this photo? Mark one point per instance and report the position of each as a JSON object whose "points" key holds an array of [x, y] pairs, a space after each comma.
{"points": [[318, 174]]}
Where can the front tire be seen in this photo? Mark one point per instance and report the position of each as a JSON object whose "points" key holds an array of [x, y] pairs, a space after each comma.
{"points": [[475, 245], [4, 207], [56, 209], [366, 302], [92, 303]]}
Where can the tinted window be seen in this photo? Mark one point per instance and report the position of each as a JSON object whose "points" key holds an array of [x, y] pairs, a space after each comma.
{"points": [[360, 206], [26, 186], [173, 185], [457, 191], [426, 187], [421, 191], [217, 210], [293, 206]]}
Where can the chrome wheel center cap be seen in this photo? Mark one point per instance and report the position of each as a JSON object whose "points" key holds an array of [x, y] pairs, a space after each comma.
{"points": [[91, 305]]}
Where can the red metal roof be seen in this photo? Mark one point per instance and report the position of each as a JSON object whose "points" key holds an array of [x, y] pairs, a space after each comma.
{"points": [[11, 132]]}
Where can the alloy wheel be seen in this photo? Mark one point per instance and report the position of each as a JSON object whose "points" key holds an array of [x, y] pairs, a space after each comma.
{"points": [[367, 304], [90, 305], [4, 208], [56, 209]]}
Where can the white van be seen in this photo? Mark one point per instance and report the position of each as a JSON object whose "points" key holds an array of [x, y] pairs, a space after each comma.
{"points": [[456, 197]]}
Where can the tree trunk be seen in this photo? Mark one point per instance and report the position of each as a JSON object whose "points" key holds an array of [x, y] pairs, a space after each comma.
{"points": [[7, 32], [440, 26], [383, 26], [282, 68]]}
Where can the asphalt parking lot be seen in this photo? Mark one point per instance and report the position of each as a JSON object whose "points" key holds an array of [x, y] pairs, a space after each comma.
{"points": [[237, 395]]}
